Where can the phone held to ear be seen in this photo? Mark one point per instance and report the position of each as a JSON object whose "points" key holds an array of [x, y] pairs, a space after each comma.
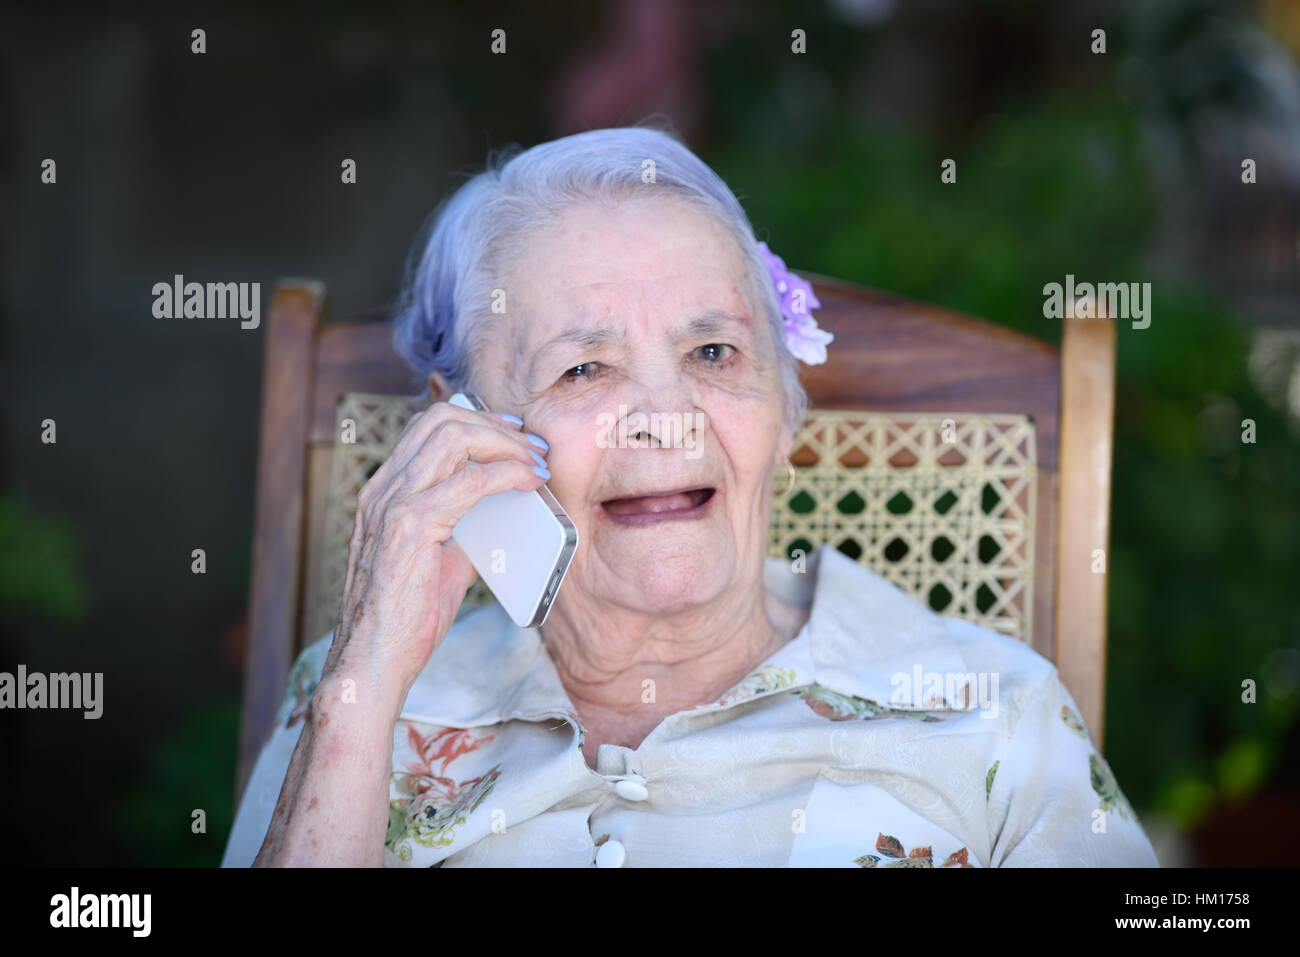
{"points": [[520, 543]]}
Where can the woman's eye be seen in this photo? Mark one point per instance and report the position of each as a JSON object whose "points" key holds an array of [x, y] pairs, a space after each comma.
{"points": [[581, 371], [715, 352]]}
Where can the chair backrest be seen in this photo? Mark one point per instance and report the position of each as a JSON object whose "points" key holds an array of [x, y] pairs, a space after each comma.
{"points": [[968, 463]]}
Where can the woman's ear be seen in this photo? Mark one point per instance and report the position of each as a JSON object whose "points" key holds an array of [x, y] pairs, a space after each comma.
{"points": [[439, 387]]}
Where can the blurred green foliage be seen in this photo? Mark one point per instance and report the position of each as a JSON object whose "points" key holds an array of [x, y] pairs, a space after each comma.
{"points": [[1205, 548], [190, 768], [40, 570]]}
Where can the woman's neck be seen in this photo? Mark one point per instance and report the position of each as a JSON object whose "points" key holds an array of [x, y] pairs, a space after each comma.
{"points": [[625, 670]]}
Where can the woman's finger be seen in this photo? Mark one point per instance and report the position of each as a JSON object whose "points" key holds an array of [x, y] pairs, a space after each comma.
{"points": [[447, 450], [443, 505], [423, 423]]}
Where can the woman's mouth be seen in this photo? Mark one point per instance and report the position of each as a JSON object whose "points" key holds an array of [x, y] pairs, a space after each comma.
{"points": [[658, 507]]}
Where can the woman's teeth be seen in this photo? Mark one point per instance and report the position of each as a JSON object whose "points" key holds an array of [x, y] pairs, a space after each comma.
{"points": [[649, 504]]}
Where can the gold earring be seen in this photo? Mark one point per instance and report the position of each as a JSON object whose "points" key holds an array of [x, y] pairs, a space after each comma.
{"points": [[789, 471]]}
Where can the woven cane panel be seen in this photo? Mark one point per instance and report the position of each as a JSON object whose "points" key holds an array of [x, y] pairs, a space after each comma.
{"points": [[940, 504]]}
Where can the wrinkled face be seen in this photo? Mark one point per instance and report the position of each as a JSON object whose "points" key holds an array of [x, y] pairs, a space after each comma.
{"points": [[630, 345]]}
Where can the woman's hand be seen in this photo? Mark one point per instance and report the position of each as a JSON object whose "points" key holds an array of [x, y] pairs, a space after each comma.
{"points": [[405, 582], [406, 577]]}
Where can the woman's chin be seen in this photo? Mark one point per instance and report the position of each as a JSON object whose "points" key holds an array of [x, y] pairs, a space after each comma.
{"points": [[671, 571]]}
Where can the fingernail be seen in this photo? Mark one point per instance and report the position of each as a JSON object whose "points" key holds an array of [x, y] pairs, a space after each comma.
{"points": [[537, 458], [511, 418], [538, 441], [544, 473]]}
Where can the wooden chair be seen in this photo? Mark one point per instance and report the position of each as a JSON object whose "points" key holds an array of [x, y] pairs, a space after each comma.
{"points": [[930, 369]]}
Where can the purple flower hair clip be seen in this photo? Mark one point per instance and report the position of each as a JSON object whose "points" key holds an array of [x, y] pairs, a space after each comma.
{"points": [[807, 342]]}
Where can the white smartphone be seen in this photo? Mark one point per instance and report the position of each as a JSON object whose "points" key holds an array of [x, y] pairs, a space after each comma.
{"points": [[520, 543]]}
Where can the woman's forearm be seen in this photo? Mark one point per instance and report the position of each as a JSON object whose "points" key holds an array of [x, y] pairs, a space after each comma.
{"points": [[333, 807]]}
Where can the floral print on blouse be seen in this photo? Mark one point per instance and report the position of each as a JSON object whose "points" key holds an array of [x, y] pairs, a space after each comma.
{"points": [[820, 757], [433, 804], [892, 848]]}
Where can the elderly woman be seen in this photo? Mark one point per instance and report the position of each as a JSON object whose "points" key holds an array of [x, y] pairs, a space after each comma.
{"points": [[688, 701]]}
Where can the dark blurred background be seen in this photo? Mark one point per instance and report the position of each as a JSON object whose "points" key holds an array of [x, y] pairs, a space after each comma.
{"points": [[1117, 166]]}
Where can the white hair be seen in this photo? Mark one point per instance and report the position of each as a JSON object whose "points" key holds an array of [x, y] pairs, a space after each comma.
{"points": [[459, 256]]}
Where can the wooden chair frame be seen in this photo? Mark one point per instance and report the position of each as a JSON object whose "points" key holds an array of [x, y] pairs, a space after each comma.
{"points": [[890, 354]]}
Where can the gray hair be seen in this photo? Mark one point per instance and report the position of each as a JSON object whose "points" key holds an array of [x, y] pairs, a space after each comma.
{"points": [[459, 256]]}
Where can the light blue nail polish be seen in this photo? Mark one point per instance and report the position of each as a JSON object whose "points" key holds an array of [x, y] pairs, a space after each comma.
{"points": [[544, 473], [538, 441], [511, 418], [537, 458]]}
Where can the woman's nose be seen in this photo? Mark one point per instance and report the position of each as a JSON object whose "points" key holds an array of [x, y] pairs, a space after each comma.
{"points": [[657, 404], [661, 423]]}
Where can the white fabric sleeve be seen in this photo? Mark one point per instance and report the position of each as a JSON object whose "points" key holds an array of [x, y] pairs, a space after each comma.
{"points": [[1053, 800], [262, 792]]}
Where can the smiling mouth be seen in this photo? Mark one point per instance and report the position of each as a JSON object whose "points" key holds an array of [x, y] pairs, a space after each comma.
{"points": [[681, 503]]}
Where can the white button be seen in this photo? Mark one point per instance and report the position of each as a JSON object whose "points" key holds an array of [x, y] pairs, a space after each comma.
{"points": [[611, 854], [631, 790]]}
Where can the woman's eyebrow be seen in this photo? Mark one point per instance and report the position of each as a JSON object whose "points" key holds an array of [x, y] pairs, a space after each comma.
{"points": [[711, 322]]}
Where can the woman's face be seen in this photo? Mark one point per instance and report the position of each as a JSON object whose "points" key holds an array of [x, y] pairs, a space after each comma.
{"points": [[629, 344]]}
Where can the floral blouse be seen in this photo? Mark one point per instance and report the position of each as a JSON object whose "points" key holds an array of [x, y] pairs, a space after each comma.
{"points": [[882, 735]]}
